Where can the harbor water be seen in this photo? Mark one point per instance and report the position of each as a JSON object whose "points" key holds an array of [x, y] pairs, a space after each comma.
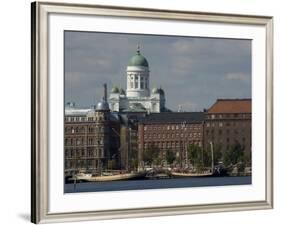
{"points": [[186, 182]]}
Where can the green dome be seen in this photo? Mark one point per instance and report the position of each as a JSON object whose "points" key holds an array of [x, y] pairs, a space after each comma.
{"points": [[154, 91], [158, 91], [138, 60], [115, 90]]}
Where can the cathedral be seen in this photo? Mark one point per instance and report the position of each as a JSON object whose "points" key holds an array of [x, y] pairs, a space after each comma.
{"points": [[137, 97]]}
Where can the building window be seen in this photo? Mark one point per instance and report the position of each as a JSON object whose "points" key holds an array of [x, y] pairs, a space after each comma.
{"points": [[136, 81], [142, 83], [146, 83], [220, 124]]}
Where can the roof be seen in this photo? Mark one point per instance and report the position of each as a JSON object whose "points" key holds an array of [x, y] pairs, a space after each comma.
{"points": [[231, 106], [115, 89], [174, 117], [135, 107], [76, 112], [158, 91], [102, 106], [138, 60]]}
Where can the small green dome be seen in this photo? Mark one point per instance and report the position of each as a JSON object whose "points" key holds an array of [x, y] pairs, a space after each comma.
{"points": [[115, 90], [158, 91], [138, 60], [154, 91]]}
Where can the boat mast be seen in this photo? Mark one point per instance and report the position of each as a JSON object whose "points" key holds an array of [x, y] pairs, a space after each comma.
{"points": [[212, 154]]}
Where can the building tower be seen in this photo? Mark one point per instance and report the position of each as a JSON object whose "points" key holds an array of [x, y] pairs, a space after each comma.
{"points": [[138, 76], [137, 97], [101, 119]]}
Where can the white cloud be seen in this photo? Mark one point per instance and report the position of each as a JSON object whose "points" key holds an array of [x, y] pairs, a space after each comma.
{"points": [[188, 106], [238, 76]]}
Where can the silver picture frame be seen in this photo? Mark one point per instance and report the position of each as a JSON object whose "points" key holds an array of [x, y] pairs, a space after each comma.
{"points": [[40, 103]]}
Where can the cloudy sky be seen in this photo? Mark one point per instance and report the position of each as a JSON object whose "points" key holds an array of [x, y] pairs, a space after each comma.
{"points": [[194, 72]]}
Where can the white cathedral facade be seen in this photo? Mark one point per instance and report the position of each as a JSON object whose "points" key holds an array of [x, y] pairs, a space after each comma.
{"points": [[138, 97]]}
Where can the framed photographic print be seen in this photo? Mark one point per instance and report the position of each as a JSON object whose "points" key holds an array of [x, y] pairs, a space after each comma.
{"points": [[146, 112]]}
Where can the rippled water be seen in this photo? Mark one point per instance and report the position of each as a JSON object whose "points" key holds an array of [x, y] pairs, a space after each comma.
{"points": [[156, 184]]}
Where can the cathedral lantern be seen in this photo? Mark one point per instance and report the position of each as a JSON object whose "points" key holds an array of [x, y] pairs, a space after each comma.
{"points": [[138, 76], [137, 97]]}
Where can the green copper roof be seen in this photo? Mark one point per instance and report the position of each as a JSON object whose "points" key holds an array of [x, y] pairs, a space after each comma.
{"points": [[158, 91], [115, 90], [154, 91], [138, 60]]}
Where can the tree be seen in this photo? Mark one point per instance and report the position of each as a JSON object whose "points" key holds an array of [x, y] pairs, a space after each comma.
{"points": [[112, 164], [195, 156], [151, 154], [170, 156], [234, 154], [133, 163], [207, 157]]}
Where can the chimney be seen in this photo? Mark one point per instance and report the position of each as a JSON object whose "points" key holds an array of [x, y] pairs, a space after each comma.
{"points": [[105, 92]]}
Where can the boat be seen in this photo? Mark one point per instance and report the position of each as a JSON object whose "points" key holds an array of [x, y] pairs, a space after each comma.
{"points": [[158, 176], [108, 177], [180, 174]]}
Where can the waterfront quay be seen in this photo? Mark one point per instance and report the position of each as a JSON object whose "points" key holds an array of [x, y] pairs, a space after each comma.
{"points": [[186, 182]]}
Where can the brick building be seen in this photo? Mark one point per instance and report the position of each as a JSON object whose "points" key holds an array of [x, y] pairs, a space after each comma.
{"points": [[91, 138], [228, 123], [96, 139], [172, 131]]}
